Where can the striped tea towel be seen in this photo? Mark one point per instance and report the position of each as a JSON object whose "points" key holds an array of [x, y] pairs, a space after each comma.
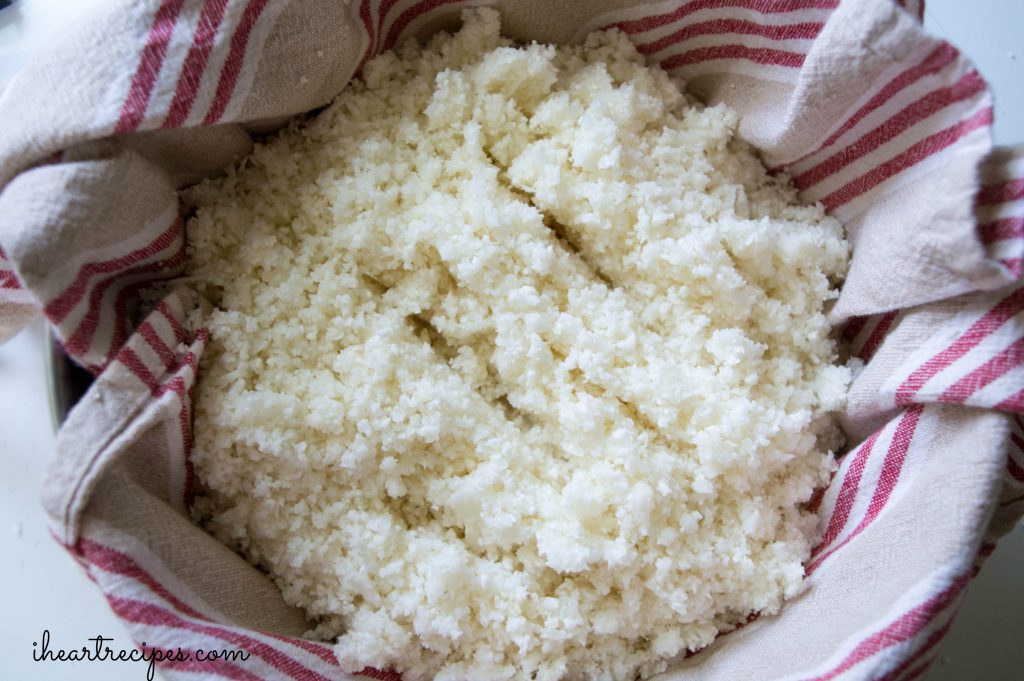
{"points": [[886, 126]]}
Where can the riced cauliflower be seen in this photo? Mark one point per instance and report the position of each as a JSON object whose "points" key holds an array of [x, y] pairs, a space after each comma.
{"points": [[518, 365]]}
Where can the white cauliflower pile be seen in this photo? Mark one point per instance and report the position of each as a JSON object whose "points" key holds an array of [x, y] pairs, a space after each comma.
{"points": [[519, 366]]}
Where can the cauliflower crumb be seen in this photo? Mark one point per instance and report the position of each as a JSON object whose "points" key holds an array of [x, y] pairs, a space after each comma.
{"points": [[518, 363]]}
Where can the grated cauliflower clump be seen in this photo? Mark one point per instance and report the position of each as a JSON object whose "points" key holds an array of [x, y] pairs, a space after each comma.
{"points": [[519, 366]]}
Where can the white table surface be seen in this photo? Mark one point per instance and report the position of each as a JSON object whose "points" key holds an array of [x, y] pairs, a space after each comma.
{"points": [[44, 589]]}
